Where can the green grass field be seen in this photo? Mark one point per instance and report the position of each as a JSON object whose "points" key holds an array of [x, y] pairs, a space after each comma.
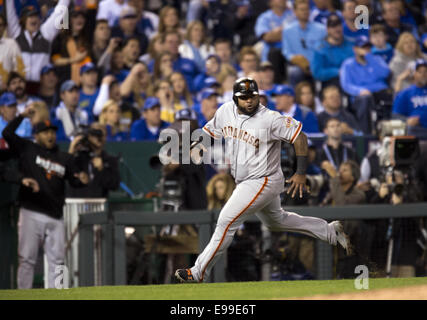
{"points": [[209, 291]]}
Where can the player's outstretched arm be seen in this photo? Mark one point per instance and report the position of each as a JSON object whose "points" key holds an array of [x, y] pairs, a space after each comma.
{"points": [[298, 180]]}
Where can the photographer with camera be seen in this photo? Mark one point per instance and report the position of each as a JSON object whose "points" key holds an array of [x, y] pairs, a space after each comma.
{"points": [[90, 157]]}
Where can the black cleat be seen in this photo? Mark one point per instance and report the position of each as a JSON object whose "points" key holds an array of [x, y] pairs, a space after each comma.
{"points": [[184, 276]]}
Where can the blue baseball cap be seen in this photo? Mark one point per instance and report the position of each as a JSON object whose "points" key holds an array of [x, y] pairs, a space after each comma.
{"points": [[8, 99], [89, 66], [68, 85], [210, 82], [284, 89], [420, 63], [207, 93], [150, 103], [362, 41], [47, 68], [186, 114]]}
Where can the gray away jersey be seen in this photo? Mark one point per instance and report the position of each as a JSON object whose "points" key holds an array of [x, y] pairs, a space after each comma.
{"points": [[253, 143]]}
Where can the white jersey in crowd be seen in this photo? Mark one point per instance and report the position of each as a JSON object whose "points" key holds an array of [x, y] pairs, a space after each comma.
{"points": [[253, 143]]}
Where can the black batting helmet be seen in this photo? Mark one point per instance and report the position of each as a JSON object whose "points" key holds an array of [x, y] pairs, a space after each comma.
{"points": [[244, 87]]}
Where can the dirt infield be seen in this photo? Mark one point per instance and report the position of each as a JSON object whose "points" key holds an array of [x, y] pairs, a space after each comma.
{"points": [[403, 293]]}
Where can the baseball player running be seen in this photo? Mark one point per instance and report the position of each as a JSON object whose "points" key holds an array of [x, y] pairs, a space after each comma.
{"points": [[251, 130]]}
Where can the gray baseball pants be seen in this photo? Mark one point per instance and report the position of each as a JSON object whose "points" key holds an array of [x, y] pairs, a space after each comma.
{"points": [[260, 197], [36, 229]]}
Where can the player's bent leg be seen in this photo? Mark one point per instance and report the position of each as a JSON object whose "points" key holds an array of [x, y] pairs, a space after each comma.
{"points": [[277, 219], [247, 198]]}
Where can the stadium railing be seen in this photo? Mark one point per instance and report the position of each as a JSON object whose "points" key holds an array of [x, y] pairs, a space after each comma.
{"points": [[114, 240]]}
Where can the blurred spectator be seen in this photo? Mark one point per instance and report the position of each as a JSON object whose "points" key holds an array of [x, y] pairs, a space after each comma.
{"points": [[392, 21], [224, 50], [169, 20], [155, 48], [248, 61], [227, 80], [48, 86], [137, 86], [126, 28], [10, 55], [164, 92], [148, 22], [304, 95], [219, 190], [18, 86], [269, 27], [110, 118], [364, 77], [130, 52], [321, 11], [67, 117], [351, 31], [212, 69], [101, 168], [71, 48], [8, 112], [163, 66], [380, 46], [334, 49], [181, 92], [342, 185], [35, 52], [285, 104], [171, 42], [150, 125], [333, 109], [102, 42], [299, 40], [110, 10], [410, 105], [195, 45], [266, 78], [343, 191], [89, 88], [207, 107], [401, 65], [110, 89], [333, 152]]}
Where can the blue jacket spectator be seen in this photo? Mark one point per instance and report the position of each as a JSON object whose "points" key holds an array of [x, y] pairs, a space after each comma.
{"points": [[351, 31], [363, 71], [302, 40], [205, 110], [67, 116], [8, 111], [285, 104], [185, 66], [299, 40], [269, 26], [333, 51], [149, 127], [410, 104], [89, 90]]}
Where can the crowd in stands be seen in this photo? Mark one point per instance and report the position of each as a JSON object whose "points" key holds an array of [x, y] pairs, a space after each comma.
{"points": [[118, 62]]}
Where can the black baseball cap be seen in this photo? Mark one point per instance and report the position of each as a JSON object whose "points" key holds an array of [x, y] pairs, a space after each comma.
{"points": [[43, 125], [333, 20], [28, 11]]}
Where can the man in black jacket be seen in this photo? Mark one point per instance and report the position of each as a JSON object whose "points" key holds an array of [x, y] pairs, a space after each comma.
{"points": [[40, 215]]}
